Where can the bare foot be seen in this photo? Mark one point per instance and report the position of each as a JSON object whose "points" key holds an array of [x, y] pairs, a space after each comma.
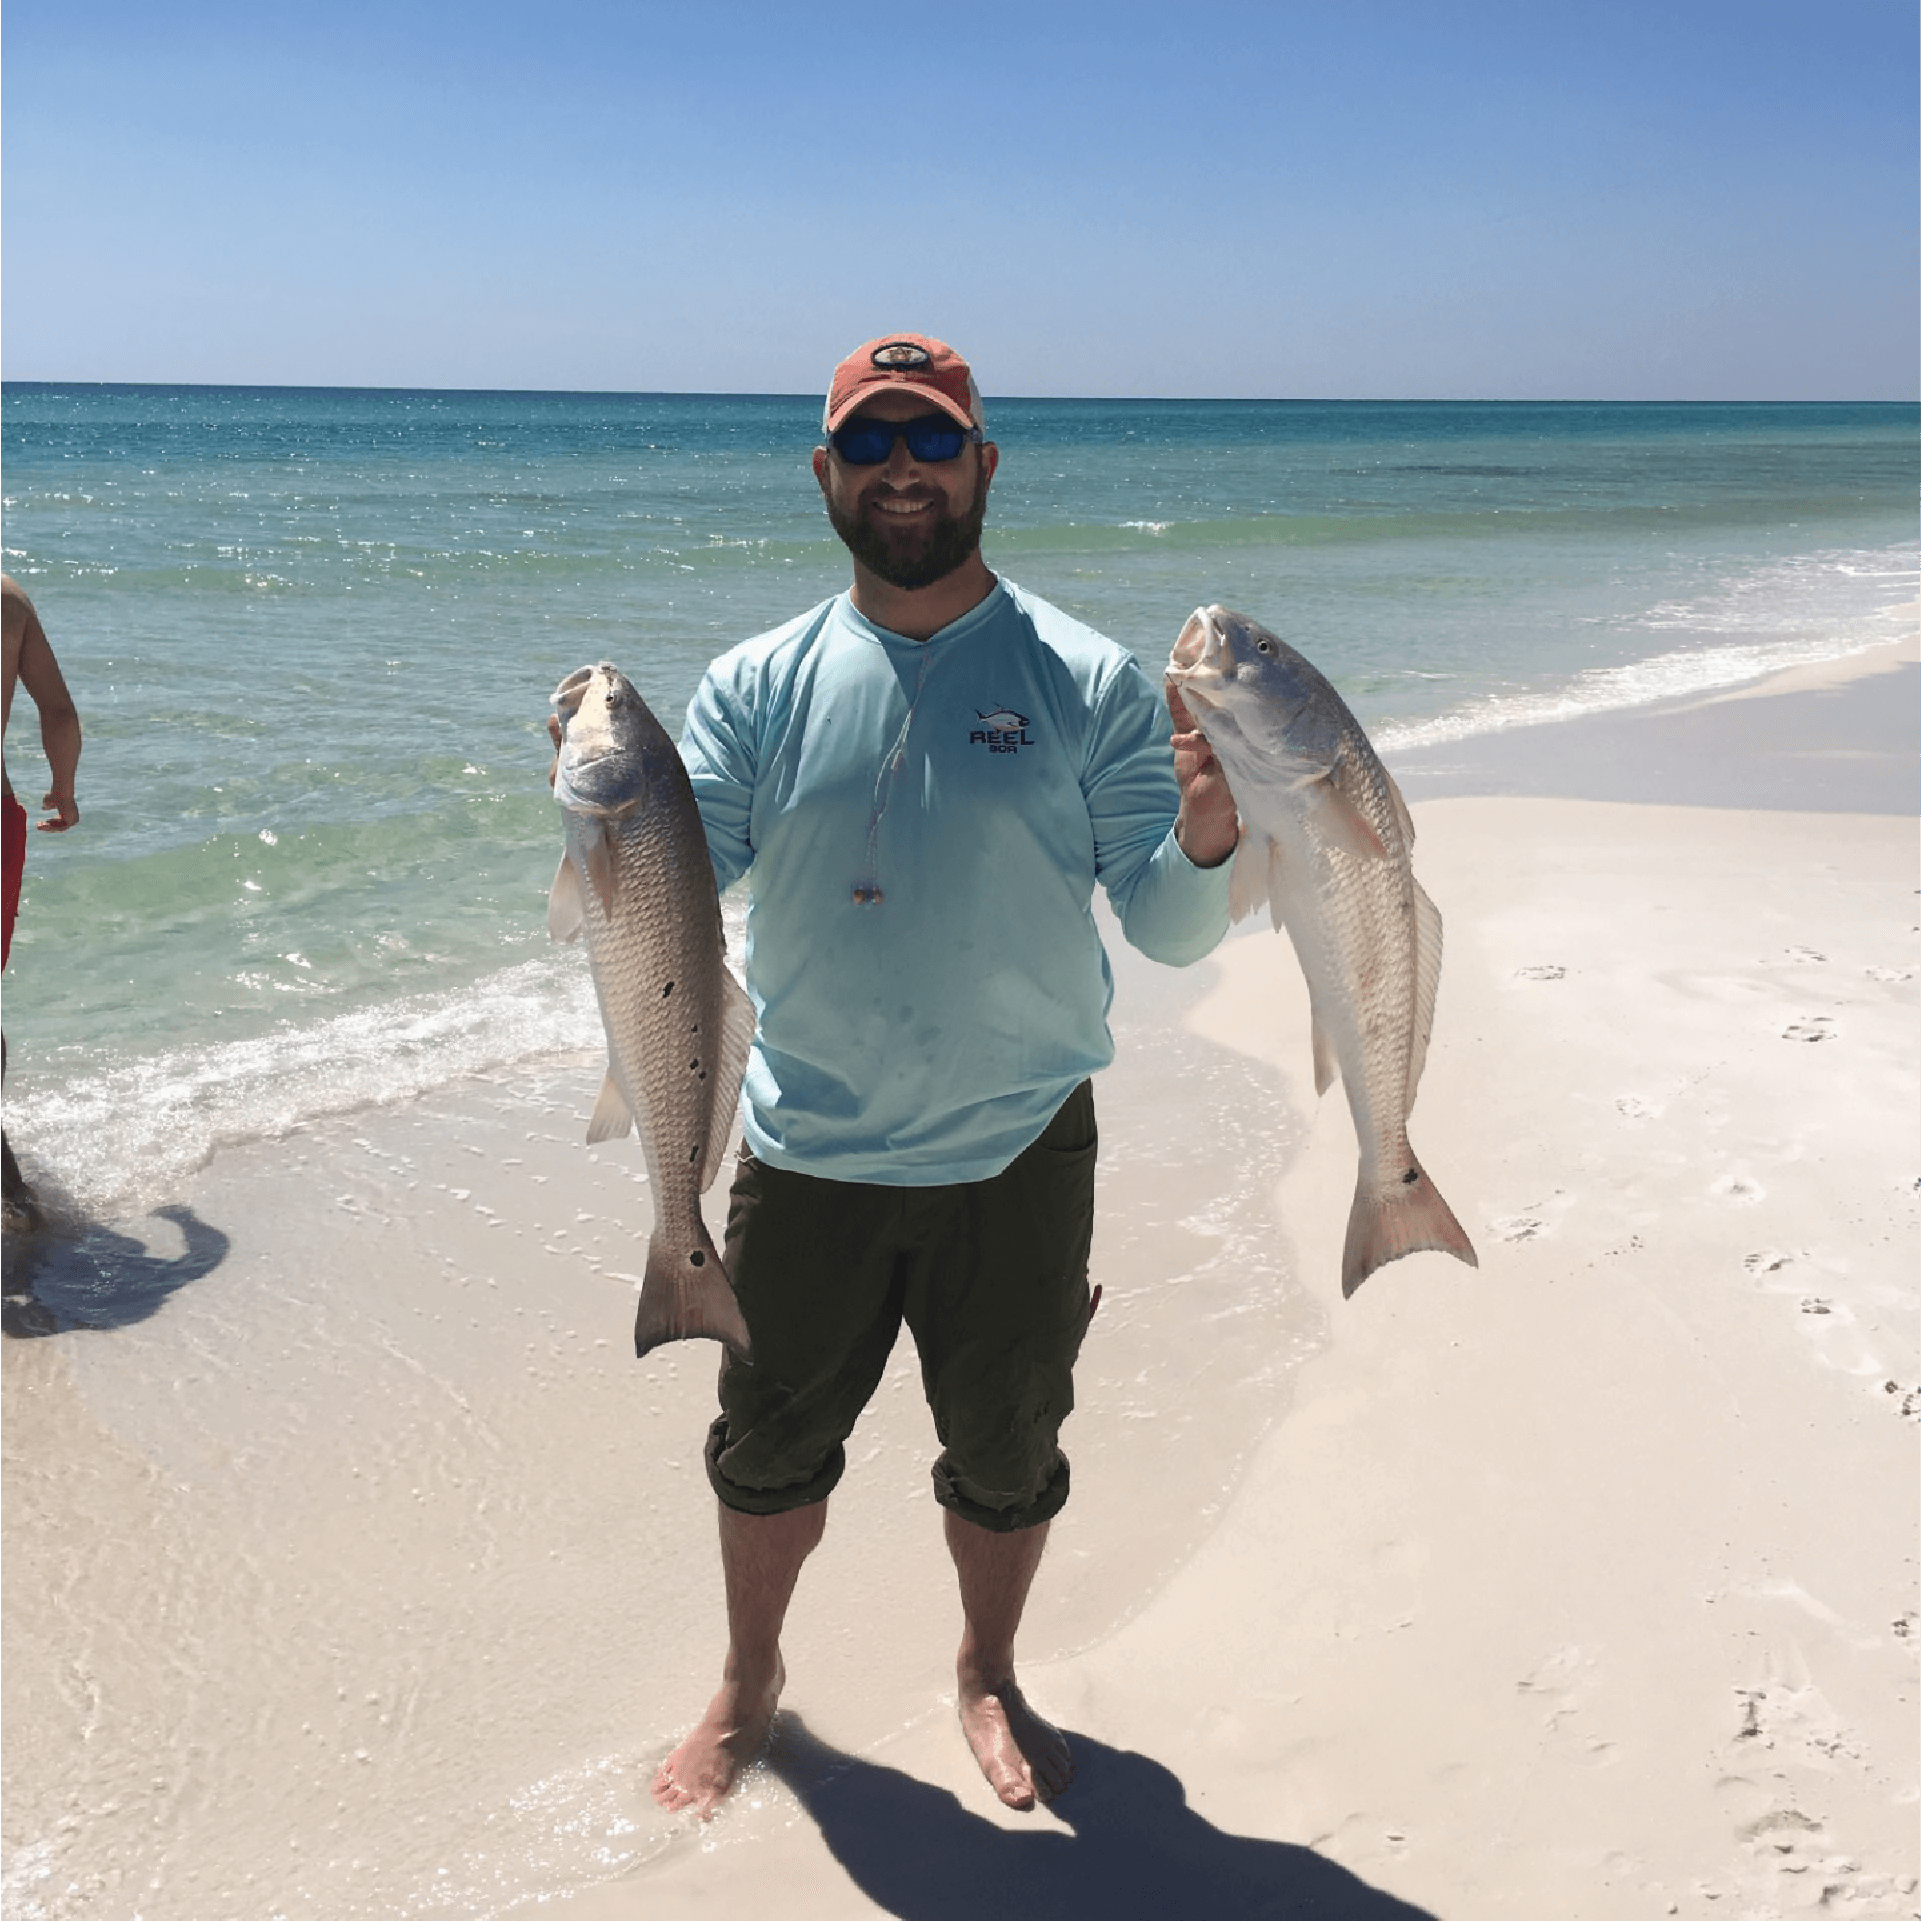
{"points": [[1023, 1757], [701, 1772]]}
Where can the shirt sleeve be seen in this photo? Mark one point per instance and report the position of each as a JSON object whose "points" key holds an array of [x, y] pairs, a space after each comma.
{"points": [[719, 745], [1173, 911]]}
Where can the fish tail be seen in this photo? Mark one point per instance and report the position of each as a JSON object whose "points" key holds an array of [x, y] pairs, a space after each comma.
{"points": [[1407, 1220], [685, 1295]]}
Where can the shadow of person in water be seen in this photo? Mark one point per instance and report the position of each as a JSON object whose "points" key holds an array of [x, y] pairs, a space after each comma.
{"points": [[97, 1278], [1136, 1848]]}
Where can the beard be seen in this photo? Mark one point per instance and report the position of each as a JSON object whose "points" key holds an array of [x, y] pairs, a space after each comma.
{"points": [[918, 555]]}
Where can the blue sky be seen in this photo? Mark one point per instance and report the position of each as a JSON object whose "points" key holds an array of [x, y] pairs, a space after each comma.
{"points": [[1697, 199]]}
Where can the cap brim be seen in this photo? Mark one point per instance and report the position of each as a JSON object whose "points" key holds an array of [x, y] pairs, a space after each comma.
{"points": [[953, 409]]}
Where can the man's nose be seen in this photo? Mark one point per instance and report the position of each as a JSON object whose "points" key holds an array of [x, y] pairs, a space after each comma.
{"points": [[900, 460]]}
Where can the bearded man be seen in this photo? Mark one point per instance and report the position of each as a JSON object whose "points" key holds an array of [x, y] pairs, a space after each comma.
{"points": [[926, 776]]}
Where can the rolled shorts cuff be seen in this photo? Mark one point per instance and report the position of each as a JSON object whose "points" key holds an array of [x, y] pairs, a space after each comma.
{"points": [[767, 1500], [1004, 1520]]}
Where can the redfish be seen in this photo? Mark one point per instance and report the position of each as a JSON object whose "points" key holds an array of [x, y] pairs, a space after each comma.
{"points": [[1325, 842], [636, 878]]}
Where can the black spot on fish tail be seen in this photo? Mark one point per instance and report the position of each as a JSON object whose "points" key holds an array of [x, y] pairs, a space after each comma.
{"points": [[668, 989], [696, 1259], [1412, 1175], [693, 1156]]}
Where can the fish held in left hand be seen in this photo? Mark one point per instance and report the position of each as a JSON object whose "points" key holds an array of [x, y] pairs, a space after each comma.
{"points": [[635, 877], [1326, 842]]}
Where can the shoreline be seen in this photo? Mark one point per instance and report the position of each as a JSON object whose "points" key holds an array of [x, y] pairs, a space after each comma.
{"points": [[1850, 743], [122, 1127]]}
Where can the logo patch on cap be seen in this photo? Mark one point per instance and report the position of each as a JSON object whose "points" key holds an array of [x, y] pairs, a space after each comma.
{"points": [[900, 353]]}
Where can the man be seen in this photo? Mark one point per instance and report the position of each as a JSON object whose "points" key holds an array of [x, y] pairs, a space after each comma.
{"points": [[30, 663], [927, 775]]}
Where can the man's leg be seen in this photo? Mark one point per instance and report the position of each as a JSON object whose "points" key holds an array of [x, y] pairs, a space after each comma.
{"points": [[1022, 1756], [760, 1559]]}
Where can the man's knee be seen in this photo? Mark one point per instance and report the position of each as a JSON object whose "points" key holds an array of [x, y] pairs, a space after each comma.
{"points": [[1002, 1510]]}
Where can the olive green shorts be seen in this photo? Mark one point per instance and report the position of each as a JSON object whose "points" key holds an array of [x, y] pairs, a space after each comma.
{"points": [[991, 1276]]}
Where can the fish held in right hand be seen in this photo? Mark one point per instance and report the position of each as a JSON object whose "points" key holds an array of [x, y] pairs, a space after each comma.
{"points": [[636, 879]]}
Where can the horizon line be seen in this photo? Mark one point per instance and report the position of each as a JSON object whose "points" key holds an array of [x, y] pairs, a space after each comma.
{"points": [[705, 393]]}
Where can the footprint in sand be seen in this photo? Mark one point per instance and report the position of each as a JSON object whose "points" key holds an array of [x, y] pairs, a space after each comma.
{"points": [[1816, 1027], [1906, 1400], [1544, 971], [1531, 1219], [1767, 1260], [1805, 955], [1516, 1227], [1634, 1108], [1797, 1720], [1890, 973]]}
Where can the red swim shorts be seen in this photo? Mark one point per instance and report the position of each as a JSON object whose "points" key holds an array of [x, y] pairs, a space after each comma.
{"points": [[14, 839]]}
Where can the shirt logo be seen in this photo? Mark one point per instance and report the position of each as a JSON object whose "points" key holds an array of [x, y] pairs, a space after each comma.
{"points": [[1001, 730]]}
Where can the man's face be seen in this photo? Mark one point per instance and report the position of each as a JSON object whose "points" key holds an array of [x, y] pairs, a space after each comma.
{"points": [[907, 521]]}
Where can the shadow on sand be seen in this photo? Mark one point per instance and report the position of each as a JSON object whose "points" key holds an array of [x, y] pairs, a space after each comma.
{"points": [[1136, 1848], [98, 1278]]}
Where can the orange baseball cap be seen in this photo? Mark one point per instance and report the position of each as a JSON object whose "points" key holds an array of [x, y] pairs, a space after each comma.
{"points": [[904, 364]]}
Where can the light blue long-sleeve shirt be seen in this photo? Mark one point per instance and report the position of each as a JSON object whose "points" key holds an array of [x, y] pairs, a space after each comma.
{"points": [[978, 783]]}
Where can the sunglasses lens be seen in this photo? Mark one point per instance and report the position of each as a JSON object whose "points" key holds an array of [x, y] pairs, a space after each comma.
{"points": [[863, 444], [933, 439], [866, 443]]}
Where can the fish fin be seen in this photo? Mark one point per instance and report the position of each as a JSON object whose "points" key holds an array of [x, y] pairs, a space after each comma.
{"points": [[1276, 893], [736, 1038], [685, 1295], [1427, 981], [1247, 878], [600, 868], [1403, 818], [1326, 1064], [1339, 821], [612, 1116], [566, 908], [1383, 1227]]}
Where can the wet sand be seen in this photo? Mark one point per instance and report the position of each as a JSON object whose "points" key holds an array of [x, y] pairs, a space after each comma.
{"points": [[354, 1567]]}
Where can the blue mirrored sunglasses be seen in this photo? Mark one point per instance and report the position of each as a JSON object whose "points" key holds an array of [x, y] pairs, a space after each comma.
{"points": [[930, 437]]}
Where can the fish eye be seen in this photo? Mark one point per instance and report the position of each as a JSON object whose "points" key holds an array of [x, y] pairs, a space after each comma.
{"points": [[1266, 647]]}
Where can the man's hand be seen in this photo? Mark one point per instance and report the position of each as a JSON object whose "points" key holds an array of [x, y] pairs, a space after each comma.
{"points": [[1208, 826]]}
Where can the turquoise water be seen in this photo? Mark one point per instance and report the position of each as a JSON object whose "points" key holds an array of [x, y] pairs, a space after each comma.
{"points": [[312, 635]]}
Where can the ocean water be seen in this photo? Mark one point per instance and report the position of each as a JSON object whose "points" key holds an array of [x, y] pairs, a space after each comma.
{"points": [[312, 634]]}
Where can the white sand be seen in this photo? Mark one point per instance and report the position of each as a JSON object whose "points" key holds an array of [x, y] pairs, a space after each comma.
{"points": [[1581, 1586]]}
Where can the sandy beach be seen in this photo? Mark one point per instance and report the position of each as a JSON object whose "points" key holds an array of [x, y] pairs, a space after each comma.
{"points": [[353, 1566]]}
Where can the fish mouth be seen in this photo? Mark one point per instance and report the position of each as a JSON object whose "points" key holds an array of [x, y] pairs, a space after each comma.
{"points": [[1198, 652], [568, 696]]}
